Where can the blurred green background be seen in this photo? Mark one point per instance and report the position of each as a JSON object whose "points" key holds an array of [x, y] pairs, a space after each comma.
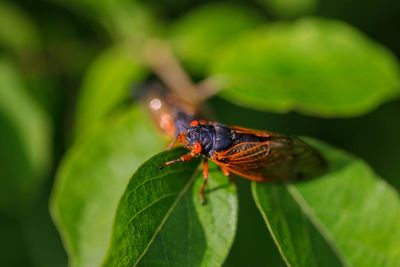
{"points": [[65, 64]]}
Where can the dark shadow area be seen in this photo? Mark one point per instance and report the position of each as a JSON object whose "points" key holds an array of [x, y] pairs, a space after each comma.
{"points": [[378, 19], [253, 245], [214, 189], [18, 180]]}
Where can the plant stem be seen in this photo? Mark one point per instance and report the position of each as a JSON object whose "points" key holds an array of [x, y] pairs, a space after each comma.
{"points": [[161, 60]]}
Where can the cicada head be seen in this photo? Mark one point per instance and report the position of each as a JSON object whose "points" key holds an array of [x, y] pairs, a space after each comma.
{"points": [[199, 138]]}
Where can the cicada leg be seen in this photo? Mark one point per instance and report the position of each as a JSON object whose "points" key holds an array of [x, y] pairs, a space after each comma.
{"points": [[226, 172], [178, 138], [186, 157], [173, 142], [204, 183]]}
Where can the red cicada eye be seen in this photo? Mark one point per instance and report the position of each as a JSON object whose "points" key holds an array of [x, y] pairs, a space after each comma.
{"points": [[194, 123]]}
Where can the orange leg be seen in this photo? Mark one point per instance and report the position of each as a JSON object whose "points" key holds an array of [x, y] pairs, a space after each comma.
{"points": [[186, 157], [228, 174], [177, 139], [173, 142], [204, 183], [225, 172]]}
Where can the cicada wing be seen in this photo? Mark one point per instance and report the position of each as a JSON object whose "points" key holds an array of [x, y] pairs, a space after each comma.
{"points": [[243, 130], [281, 158], [244, 159]]}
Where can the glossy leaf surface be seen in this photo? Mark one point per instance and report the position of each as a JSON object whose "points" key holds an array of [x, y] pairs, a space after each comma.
{"points": [[160, 220], [318, 67]]}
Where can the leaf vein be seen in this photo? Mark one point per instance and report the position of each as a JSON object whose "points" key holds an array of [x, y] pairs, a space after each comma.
{"points": [[163, 221], [317, 223]]}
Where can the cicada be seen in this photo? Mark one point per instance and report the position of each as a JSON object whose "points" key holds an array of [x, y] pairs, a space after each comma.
{"points": [[259, 156]]}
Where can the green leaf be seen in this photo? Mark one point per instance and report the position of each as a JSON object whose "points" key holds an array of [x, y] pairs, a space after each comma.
{"points": [[314, 66], [108, 83], [92, 7], [289, 8], [14, 251], [128, 22], [25, 142], [198, 34], [160, 221], [347, 217], [132, 23], [92, 179], [26, 37]]}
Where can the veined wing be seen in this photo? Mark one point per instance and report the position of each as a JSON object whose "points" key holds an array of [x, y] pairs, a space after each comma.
{"points": [[281, 158]]}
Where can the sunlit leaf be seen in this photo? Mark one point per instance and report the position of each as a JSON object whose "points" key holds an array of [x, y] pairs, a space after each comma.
{"points": [[347, 217], [314, 66], [160, 220], [92, 179]]}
